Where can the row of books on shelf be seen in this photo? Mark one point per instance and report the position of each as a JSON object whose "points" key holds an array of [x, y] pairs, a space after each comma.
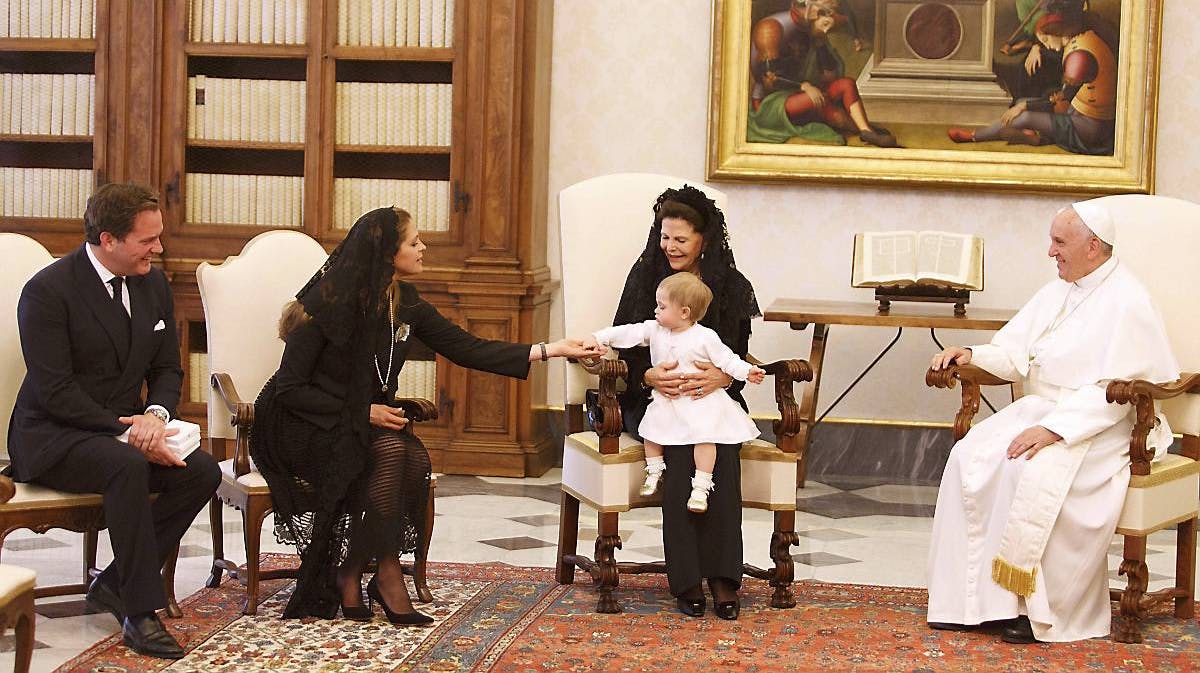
{"points": [[396, 23], [46, 104], [248, 21], [428, 201], [248, 200], [44, 192], [198, 373], [70, 19], [377, 113], [255, 110], [418, 378]]}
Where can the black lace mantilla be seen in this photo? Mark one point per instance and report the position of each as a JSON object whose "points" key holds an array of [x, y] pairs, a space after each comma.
{"points": [[733, 296]]}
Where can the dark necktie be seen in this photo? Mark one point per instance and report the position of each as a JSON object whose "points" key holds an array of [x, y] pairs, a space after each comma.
{"points": [[118, 283]]}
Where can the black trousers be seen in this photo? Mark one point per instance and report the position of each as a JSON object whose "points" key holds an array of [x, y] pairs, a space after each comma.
{"points": [[704, 545], [142, 534]]}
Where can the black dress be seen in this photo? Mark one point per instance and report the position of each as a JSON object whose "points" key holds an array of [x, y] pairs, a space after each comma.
{"points": [[321, 485]]}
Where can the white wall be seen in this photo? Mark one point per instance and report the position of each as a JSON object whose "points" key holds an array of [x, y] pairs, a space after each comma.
{"points": [[630, 93]]}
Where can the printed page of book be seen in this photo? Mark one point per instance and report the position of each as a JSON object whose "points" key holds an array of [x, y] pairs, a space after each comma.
{"points": [[884, 258], [949, 258]]}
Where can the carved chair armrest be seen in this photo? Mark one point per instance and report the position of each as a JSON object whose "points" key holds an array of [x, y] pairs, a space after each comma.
{"points": [[604, 414], [418, 409], [241, 417], [971, 378], [787, 373], [1141, 394], [7, 489]]}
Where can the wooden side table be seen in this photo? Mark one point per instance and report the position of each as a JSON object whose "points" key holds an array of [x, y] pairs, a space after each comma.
{"points": [[800, 313]]}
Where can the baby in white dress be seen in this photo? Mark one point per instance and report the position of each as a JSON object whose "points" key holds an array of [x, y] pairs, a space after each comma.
{"points": [[704, 422]]}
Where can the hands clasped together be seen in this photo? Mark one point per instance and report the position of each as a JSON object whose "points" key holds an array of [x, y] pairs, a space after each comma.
{"points": [[1031, 440], [148, 434]]}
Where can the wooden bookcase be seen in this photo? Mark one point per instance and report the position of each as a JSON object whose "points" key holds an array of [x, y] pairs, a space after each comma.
{"points": [[485, 268], [32, 52]]}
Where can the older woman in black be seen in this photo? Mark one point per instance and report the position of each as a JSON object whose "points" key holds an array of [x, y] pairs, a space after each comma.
{"points": [[348, 478], [689, 234]]}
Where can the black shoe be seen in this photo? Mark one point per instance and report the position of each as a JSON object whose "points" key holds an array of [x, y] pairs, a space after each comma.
{"points": [[146, 635], [949, 626], [413, 618], [1020, 633], [360, 613], [692, 607], [100, 596], [725, 609]]}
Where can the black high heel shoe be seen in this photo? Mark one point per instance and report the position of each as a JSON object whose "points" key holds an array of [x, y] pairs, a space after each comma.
{"points": [[692, 607], [361, 613], [413, 618], [725, 609]]}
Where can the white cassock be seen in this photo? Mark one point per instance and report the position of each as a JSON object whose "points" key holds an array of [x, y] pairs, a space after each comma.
{"points": [[1031, 537], [714, 418]]}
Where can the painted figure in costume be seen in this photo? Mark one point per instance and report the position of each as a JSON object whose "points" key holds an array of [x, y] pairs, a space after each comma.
{"points": [[798, 83], [1030, 497], [704, 422], [1080, 115]]}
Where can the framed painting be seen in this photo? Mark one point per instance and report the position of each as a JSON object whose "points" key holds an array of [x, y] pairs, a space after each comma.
{"points": [[1029, 95]]}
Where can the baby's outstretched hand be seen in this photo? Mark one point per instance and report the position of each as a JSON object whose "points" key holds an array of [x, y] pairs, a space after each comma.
{"points": [[756, 375]]}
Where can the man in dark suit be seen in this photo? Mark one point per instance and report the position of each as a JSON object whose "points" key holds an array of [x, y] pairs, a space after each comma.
{"points": [[96, 326]]}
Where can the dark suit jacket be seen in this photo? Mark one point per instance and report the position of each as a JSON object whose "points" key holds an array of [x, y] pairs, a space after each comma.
{"points": [[79, 379], [313, 374]]}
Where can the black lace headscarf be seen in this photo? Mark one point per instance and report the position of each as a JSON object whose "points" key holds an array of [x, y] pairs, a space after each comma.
{"points": [[733, 296]]}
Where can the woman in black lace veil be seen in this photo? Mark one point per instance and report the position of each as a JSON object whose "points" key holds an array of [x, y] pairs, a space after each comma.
{"points": [[349, 480], [689, 234]]}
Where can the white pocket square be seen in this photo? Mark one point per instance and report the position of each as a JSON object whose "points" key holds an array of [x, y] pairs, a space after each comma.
{"points": [[160, 325]]}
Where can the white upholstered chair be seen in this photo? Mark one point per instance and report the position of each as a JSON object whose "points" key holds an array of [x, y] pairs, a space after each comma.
{"points": [[30, 506], [243, 299], [16, 611], [604, 222], [1158, 239]]}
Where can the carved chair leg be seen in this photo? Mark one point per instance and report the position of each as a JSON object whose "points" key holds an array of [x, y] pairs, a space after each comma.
{"points": [[23, 632], [568, 536], [217, 526], [252, 521], [1133, 566], [607, 541], [168, 577], [781, 553], [421, 556], [1185, 569]]}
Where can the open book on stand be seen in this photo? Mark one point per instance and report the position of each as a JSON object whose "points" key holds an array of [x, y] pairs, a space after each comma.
{"points": [[900, 258], [934, 266]]}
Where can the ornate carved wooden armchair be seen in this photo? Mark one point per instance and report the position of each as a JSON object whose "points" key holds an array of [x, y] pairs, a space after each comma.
{"points": [[30, 506], [604, 222], [1158, 238], [243, 298]]}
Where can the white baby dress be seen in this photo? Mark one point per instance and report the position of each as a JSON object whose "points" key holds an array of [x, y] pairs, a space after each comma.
{"points": [[713, 418]]}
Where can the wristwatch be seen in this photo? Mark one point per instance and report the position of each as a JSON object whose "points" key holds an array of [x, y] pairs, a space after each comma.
{"points": [[159, 413]]}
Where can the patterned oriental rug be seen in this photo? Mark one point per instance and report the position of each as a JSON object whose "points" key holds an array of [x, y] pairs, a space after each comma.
{"points": [[495, 617]]}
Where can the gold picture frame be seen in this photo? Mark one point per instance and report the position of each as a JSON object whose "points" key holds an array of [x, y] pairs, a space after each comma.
{"points": [[932, 162]]}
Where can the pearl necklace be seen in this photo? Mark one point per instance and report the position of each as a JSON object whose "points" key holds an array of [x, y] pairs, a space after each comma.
{"points": [[383, 378]]}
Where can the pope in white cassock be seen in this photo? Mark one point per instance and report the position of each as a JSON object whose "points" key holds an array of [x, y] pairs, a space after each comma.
{"points": [[1030, 497]]}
